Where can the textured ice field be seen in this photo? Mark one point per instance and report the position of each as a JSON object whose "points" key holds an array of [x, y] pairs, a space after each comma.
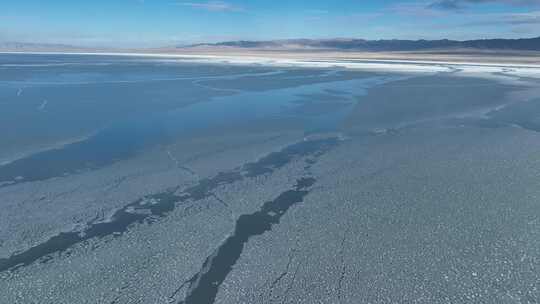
{"points": [[404, 183]]}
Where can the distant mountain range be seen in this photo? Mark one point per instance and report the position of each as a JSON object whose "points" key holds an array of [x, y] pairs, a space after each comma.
{"points": [[526, 44], [34, 46]]}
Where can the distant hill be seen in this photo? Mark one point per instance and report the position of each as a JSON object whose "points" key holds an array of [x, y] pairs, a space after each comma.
{"points": [[526, 44], [14, 46]]}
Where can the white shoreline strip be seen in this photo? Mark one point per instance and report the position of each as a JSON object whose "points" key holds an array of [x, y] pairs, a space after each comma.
{"points": [[529, 70]]}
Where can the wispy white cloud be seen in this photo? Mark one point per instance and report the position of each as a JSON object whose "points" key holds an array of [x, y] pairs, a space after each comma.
{"points": [[316, 12], [213, 6], [463, 4], [414, 9], [343, 19], [513, 19], [439, 8]]}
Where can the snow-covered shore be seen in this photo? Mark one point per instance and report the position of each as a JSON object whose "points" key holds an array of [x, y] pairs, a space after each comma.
{"points": [[311, 60]]}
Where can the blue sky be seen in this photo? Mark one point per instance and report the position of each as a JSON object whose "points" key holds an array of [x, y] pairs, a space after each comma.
{"points": [[167, 22]]}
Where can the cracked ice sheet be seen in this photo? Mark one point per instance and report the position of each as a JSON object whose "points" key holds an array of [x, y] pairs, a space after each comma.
{"points": [[144, 264], [33, 212], [149, 262], [451, 218], [235, 149]]}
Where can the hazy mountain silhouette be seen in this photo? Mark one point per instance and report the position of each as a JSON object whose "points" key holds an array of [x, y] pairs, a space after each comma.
{"points": [[526, 44]]}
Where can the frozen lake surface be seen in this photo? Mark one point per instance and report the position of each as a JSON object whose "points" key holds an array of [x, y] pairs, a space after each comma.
{"points": [[129, 179]]}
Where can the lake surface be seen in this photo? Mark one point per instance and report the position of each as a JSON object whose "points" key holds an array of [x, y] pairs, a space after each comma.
{"points": [[113, 108], [147, 180]]}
